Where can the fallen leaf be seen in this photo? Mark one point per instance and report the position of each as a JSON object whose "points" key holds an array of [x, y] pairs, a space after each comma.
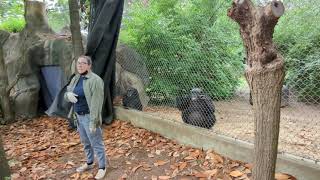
{"points": [[211, 172], [86, 176], [241, 168], [247, 171], [15, 176], [195, 154], [182, 166], [124, 176], [23, 169], [249, 166], [70, 163], [244, 177], [175, 173], [135, 168], [150, 155], [209, 156], [160, 163], [218, 158], [164, 177], [75, 176], [176, 154], [146, 167], [206, 163], [117, 156], [201, 175], [189, 158], [236, 173], [281, 176], [158, 152], [234, 164]]}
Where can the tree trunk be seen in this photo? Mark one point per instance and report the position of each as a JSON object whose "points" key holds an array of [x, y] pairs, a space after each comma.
{"points": [[4, 167], [5, 105], [264, 74], [35, 16], [75, 29]]}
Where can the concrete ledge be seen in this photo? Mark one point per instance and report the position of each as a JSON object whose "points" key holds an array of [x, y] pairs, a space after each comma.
{"points": [[302, 169]]}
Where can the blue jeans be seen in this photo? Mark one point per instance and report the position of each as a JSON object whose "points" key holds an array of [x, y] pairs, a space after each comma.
{"points": [[92, 142]]}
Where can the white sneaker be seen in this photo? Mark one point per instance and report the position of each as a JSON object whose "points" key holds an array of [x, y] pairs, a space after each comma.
{"points": [[101, 173], [84, 167]]}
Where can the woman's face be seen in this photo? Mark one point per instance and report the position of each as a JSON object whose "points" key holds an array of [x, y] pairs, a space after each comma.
{"points": [[82, 65]]}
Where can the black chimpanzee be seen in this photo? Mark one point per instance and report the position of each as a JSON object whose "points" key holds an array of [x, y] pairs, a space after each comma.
{"points": [[131, 99], [197, 109]]}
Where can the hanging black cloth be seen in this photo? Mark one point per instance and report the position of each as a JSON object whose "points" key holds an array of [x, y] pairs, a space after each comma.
{"points": [[104, 26]]}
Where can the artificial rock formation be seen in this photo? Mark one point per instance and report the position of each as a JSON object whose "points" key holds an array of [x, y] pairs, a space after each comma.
{"points": [[25, 52], [37, 45]]}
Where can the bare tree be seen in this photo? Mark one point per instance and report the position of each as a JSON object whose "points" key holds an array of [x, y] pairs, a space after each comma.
{"points": [[5, 172], [8, 114], [265, 74], [75, 28]]}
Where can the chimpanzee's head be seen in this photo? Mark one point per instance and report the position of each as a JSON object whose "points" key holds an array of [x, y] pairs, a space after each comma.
{"points": [[131, 92], [196, 93]]}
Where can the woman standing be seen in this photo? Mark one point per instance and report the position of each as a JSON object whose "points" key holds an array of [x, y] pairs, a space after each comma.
{"points": [[85, 91]]}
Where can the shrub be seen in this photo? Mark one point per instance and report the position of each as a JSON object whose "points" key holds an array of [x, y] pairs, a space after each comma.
{"points": [[298, 38], [186, 44], [306, 79], [13, 25]]}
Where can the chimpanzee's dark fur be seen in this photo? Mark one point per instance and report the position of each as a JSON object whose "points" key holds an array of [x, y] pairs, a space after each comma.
{"points": [[197, 109], [131, 99]]}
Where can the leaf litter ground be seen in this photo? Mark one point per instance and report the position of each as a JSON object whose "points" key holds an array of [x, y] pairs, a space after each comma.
{"points": [[43, 148]]}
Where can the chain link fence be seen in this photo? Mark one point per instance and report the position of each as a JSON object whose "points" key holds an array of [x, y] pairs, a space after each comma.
{"points": [[185, 62]]}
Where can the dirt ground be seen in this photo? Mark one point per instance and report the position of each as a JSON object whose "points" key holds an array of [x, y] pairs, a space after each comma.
{"points": [[43, 148], [299, 125]]}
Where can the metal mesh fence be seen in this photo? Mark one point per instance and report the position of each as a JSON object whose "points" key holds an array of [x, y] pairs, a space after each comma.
{"points": [[184, 61]]}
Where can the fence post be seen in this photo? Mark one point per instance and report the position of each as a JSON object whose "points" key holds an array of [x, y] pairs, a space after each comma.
{"points": [[265, 74]]}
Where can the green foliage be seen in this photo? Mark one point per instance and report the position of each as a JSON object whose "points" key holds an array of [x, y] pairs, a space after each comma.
{"points": [[298, 38], [58, 15], [186, 44], [58, 20], [11, 9], [306, 80], [11, 15], [13, 25], [11, 12]]}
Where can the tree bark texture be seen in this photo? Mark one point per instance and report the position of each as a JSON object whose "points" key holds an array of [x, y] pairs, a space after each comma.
{"points": [[4, 167], [5, 104], [75, 29], [264, 74], [35, 16]]}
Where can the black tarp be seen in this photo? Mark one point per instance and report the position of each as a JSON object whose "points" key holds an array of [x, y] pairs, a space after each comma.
{"points": [[62, 108], [104, 26], [51, 82]]}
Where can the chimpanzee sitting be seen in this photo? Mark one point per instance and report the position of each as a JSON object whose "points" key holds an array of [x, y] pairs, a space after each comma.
{"points": [[197, 109], [131, 99]]}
